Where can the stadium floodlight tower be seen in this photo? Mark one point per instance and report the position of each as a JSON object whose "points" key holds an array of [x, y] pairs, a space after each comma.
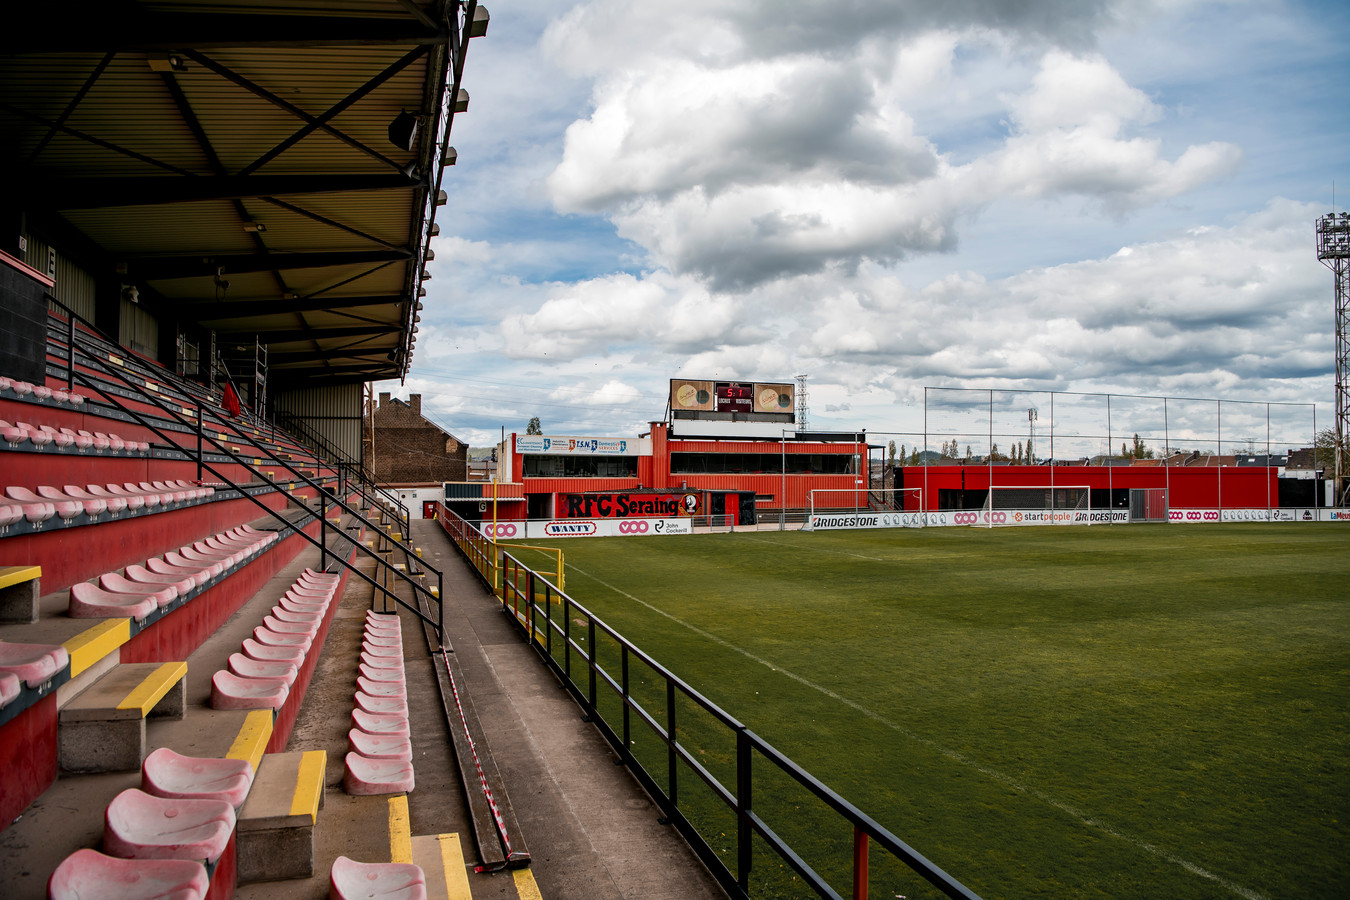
{"points": [[1333, 249]]}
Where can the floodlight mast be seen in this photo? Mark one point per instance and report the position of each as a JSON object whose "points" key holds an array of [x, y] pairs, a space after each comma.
{"points": [[1333, 250]]}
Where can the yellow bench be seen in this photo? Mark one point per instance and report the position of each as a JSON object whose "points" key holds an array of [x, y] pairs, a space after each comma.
{"points": [[103, 729]]}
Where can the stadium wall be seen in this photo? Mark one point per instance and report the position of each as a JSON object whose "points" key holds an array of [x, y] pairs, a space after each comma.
{"points": [[1200, 487]]}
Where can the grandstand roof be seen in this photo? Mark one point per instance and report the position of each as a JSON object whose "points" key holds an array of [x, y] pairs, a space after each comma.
{"points": [[238, 161]]}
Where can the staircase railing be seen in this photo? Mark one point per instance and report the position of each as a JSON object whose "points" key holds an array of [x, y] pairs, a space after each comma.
{"points": [[351, 469], [77, 354]]}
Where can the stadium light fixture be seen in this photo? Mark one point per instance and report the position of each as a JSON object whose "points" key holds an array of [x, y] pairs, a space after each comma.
{"points": [[403, 130]]}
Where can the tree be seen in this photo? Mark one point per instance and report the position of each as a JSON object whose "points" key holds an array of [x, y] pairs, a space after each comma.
{"points": [[534, 427], [1324, 451], [1137, 449], [890, 450]]}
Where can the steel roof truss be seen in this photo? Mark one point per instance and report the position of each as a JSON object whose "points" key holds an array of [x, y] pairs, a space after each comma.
{"points": [[263, 93]]}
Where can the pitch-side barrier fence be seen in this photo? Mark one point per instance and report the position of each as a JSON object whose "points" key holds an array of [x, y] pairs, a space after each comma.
{"points": [[631, 698]]}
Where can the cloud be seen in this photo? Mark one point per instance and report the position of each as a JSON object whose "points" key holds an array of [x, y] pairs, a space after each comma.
{"points": [[778, 161]]}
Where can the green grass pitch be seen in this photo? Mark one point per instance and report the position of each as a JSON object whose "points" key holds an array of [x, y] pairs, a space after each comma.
{"points": [[1143, 711]]}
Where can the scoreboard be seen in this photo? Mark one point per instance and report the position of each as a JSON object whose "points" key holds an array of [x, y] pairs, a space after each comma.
{"points": [[745, 400]]}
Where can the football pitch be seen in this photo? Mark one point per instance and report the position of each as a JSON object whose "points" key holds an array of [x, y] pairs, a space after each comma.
{"points": [[1142, 711]]}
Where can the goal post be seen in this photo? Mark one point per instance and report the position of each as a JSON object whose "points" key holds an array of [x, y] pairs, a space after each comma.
{"points": [[1019, 504], [838, 508]]}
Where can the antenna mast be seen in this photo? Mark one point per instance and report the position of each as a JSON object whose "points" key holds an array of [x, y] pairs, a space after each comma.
{"points": [[1333, 250]]}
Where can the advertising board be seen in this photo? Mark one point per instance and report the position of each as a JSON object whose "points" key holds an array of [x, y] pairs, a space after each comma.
{"points": [[625, 505]]}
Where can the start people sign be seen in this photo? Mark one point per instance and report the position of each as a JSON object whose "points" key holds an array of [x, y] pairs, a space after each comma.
{"points": [[625, 505]]}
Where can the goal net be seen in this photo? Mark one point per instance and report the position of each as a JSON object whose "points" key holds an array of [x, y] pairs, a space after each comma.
{"points": [[837, 508], [1058, 502]]}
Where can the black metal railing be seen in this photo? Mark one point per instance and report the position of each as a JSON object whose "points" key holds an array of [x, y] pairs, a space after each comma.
{"points": [[77, 355], [738, 771], [351, 470]]}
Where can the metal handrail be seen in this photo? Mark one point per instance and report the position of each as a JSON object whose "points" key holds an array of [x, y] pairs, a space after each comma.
{"points": [[320, 444], [324, 495], [749, 746]]}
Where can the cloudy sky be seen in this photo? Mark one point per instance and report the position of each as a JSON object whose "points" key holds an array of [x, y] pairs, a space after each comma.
{"points": [[886, 196]]}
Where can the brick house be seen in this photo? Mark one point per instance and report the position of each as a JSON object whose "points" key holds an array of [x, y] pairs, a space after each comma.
{"points": [[409, 449]]}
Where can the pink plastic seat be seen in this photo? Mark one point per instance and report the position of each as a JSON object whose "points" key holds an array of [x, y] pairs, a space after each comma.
{"points": [[194, 561], [35, 509], [231, 691], [309, 596], [13, 434], [66, 507], [91, 506], [100, 443], [9, 514], [200, 575], [316, 575], [174, 776], [10, 688], [81, 441], [363, 777], [141, 575], [59, 438], [379, 723], [380, 673], [42, 392], [264, 635], [150, 499], [248, 667], [89, 601], [226, 560], [374, 650], [178, 494], [272, 623], [139, 826], [301, 606], [303, 617], [21, 388], [114, 442], [379, 746], [381, 642], [381, 688], [163, 595], [113, 505], [87, 874], [352, 880], [383, 635], [268, 653], [32, 663], [133, 501], [36, 436], [397, 706], [152, 496]]}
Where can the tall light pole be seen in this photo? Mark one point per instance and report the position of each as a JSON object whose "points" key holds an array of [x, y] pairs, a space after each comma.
{"points": [[1333, 250], [1032, 416]]}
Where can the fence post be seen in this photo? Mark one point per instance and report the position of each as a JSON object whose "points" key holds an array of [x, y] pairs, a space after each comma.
{"points": [[590, 662], [199, 442], [860, 846], [627, 755], [671, 756], [70, 350], [744, 845], [323, 530]]}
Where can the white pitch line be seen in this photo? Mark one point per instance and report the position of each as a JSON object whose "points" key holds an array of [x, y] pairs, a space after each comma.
{"points": [[954, 755]]}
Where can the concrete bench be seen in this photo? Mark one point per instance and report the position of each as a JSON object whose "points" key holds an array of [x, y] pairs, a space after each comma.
{"points": [[103, 729], [276, 823], [19, 592]]}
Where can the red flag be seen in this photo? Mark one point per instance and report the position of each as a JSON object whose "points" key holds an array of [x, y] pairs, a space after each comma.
{"points": [[230, 401]]}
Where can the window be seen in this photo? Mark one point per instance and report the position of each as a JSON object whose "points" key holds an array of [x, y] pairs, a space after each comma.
{"points": [[581, 466]]}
